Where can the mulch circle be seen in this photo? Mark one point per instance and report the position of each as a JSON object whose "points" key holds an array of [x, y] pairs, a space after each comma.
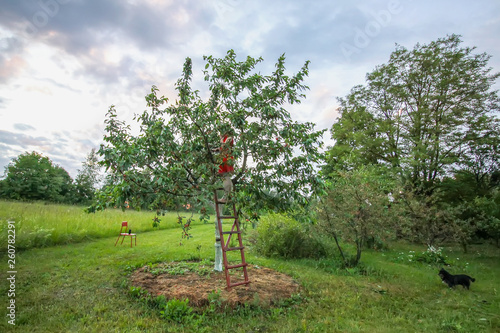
{"points": [[266, 287]]}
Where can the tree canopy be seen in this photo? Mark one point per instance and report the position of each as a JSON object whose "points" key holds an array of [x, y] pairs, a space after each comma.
{"points": [[32, 176], [428, 112], [175, 159]]}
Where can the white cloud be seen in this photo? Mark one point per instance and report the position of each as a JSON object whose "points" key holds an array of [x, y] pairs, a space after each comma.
{"points": [[56, 83]]}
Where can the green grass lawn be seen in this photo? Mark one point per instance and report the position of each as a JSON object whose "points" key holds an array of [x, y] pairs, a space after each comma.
{"points": [[41, 225], [82, 287]]}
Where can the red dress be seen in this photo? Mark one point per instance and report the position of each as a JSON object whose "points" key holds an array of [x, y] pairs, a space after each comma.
{"points": [[226, 167]]}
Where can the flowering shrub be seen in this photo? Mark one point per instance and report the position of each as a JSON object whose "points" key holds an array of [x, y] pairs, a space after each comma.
{"points": [[431, 256]]}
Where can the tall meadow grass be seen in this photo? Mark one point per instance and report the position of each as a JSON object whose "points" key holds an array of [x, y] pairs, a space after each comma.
{"points": [[39, 224]]}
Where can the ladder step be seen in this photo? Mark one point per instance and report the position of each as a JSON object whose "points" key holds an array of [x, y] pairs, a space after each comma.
{"points": [[231, 232], [237, 266], [235, 248], [238, 283]]}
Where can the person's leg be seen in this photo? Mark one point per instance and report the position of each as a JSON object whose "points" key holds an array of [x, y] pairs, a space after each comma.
{"points": [[227, 184]]}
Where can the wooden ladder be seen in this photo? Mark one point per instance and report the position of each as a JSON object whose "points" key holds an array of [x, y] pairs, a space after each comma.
{"points": [[225, 244]]}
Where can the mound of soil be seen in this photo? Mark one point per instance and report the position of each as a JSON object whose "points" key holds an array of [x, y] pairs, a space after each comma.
{"points": [[266, 286]]}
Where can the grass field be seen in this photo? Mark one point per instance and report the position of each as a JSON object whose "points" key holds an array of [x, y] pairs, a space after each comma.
{"points": [[41, 225], [83, 287]]}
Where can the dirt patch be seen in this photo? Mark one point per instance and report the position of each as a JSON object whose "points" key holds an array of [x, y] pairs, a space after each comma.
{"points": [[196, 281]]}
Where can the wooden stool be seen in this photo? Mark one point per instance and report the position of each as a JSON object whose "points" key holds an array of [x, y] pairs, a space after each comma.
{"points": [[123, 234]]}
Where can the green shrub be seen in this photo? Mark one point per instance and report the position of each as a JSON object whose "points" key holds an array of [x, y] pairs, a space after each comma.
{"points": [[281, 236], [178, 311]]}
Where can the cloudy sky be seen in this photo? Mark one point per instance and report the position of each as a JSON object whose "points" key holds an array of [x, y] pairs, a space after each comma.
{"points": [[64, 62]]}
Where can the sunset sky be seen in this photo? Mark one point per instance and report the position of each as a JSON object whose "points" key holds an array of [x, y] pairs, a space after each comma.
{"points": [[64, 62]]}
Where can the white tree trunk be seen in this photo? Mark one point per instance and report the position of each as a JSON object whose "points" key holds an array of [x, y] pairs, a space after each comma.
{"points": [[218, 248], [228, 187]]}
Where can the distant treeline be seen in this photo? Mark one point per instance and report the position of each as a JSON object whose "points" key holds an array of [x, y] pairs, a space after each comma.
{"points": [[33, 177]]}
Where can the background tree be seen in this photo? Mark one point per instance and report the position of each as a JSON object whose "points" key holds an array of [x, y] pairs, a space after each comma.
{"points": [[427, 111], [424, 219], [176, 156], [357, 140], [481, 163], [356, 210], [88, 179], [32, 176], [490, 208]]}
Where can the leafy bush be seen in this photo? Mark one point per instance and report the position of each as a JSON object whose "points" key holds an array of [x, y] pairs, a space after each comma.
{"points": [[355, 210], [281, 236]]}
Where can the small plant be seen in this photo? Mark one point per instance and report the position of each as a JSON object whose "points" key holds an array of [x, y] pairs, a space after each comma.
{"points": [[137, 292], [451, 325], [256, 300], [214, 299], [177, 310], [175, 270], [159, 302], [156, 221], [185, 225], [196, 257], [131, 268], [287, 303], [150, 266]]}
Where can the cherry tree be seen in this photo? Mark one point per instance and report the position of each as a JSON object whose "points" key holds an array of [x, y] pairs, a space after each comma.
{"points": [[184, 147]]}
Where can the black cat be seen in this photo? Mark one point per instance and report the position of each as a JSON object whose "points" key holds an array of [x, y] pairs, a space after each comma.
{"points": [[453, 280]]}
